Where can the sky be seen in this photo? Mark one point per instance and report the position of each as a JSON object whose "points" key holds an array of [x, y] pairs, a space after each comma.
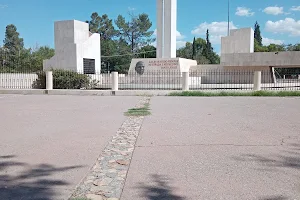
{"points": [[279, 19]]}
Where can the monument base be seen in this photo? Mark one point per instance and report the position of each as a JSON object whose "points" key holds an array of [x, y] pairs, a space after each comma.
{"points": [[144, 66]]}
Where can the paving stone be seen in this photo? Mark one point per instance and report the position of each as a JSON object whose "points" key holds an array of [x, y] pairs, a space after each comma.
{"points": [[94, 197], [107, 176]]}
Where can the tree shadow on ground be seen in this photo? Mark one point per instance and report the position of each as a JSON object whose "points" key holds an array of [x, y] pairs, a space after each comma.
{"points": [[274, 198], [159, 190], [286, 158], [32, 183]]}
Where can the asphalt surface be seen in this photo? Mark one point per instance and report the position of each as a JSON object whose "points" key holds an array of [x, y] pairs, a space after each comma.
{"points": [[49, 143], [217, 148]]}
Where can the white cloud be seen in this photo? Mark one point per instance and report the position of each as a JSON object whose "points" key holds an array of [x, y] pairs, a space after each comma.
{"points": [[243, 11], [131, 9], [268, 41], [273, 10], [179, 36], [216, 30], [2, 6], [180, 43], [295, 8], [288, 25]]}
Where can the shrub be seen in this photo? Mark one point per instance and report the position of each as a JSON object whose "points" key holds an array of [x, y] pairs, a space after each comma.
{"points": [[64, 79]]}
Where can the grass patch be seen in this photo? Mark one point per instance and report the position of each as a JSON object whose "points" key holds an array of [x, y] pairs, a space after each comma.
{"points": [[143, 111], [229, 93]]}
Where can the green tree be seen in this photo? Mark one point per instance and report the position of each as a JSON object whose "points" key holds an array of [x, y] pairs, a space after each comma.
{"points": [[209, 53], [291, 47], [259, 48], [102, 25], [12, 45], [36, 58], [148, 51], [136, 31], [186, 51], [198, 51], [12, 40], [275, 48], [257, 34], [194, 48]]}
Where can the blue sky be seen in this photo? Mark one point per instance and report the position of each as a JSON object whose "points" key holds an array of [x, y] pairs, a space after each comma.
{"points": [[279, 20]]}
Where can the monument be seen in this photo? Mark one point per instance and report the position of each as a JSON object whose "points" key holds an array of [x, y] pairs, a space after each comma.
{"points": [[165, 44], [237, 55], [76, 48]]}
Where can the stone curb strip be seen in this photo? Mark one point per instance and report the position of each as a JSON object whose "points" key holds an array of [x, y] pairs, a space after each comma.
{"points": [[106, 179]]}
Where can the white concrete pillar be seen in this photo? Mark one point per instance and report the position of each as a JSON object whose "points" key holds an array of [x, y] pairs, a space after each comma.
{"points": [[159, 28], [49, 80], [166, 28], [257, 81], [185, 81], [170, 28], [115, 81]]}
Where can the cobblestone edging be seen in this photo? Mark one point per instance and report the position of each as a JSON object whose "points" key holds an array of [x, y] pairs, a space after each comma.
{"points": [[106, 179]]}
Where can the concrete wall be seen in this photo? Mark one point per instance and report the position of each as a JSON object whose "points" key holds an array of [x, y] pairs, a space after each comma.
{"points": [[280, 59], [239, 41], [73, 42], [219, 74], [17, 81]]}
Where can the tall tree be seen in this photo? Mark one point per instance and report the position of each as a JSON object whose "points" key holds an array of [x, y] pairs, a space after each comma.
{"points": [[257, 34], [12, 40], [13, 45], [136, 31], [209, 53], [102, 25], [194, 48]]}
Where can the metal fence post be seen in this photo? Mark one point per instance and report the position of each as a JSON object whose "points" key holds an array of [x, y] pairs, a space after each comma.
{"points": [[115, 81], [185, 81], [49, 80], [257, 81]]}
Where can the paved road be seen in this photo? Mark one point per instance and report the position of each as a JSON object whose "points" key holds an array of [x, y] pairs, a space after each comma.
{"points": [[217, 148], [48, 143]]}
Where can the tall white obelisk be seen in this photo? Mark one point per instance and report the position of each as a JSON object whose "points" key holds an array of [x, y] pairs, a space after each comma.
{"points": [[166, 28]]}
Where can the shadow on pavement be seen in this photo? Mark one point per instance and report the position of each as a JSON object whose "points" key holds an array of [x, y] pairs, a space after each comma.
{"points": [[274, 198], [289, 158], [33, 183], [159, 190]]}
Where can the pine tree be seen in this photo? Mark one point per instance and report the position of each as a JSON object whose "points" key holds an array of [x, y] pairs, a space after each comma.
{"points": [[257, 34], [194, 48], [208, 49], [12, 41]]}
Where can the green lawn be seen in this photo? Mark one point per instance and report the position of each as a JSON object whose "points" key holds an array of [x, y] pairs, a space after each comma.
{"points": [[232, 93], [143, 111]]}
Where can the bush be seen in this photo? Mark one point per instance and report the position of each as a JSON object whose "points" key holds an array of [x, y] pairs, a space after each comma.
{"points": [[64, 79]]}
